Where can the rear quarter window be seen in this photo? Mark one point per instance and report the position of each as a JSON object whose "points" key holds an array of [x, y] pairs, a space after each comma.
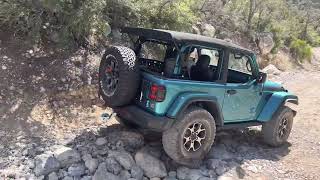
{"points": [[153, 51]]}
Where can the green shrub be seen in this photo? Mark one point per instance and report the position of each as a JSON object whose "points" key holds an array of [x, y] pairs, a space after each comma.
{"points": [[301, 50], [84, 22], [63, 21]]}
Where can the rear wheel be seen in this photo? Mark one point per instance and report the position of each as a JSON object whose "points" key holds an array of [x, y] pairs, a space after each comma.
{"points": [[119, 76], [276, 131], [191, 138]]}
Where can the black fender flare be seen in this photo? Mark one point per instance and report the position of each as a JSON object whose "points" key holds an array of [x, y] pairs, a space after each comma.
{"points": [[208, 103]]}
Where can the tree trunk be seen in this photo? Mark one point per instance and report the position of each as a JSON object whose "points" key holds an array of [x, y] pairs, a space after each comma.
{"points": [[250, 15], [305, 30]]}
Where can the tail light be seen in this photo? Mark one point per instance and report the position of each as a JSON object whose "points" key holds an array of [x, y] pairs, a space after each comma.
{"points": [[157, 93]]}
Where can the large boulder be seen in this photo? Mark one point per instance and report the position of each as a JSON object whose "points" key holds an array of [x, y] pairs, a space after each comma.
{"points": [[102, 173], [76, 170], [129, 139], [46, 164], [185, 173], [152, 166], [220, 152], [271, 69], [137, 172], [66, 155], [90, 163], [113, 166], [195, 30], [208, 30], [265, 42], [125, 159]]}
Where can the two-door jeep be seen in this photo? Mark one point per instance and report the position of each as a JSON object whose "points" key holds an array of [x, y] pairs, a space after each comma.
{"points": [[186, 86]]}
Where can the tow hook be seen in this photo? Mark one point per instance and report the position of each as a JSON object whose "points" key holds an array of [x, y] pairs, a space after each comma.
{"points": [[107, 116]]}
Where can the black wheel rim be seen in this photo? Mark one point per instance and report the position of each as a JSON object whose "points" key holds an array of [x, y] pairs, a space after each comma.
{"points": [[111, 76], [194, 137], [283, 128]]}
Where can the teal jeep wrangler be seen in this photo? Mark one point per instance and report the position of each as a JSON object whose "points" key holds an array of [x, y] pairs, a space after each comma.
{"points": [[186, 86]]}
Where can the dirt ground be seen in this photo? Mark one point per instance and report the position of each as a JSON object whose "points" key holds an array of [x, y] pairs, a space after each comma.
{"points": [[40, 105]]}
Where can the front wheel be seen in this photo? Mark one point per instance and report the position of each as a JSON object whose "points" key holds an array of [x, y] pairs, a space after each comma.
{"points": [[191, 137], [276, 131]]}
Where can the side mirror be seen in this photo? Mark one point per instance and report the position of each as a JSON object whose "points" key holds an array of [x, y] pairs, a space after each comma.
{"points": [[262, 77]]}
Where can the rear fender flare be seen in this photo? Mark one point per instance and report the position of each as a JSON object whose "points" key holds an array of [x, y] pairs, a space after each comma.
{"points": [[183, 101], [277, 100]]}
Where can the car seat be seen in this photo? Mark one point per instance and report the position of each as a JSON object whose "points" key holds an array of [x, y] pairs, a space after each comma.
{"points": [[202, 71]]}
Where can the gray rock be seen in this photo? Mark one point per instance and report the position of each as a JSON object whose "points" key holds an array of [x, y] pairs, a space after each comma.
{"points": [[154, 151], [220, 152], [170, 178], [65, 155], [265, 42], [195, 30], [130, 139], [155, 178], [213, 163], [136, 172], [45, 164], [221, 169], [53, 176], [271, 69], [86, 178], [208, 30], [125, 159], [212, 173], [90, 162], [76, 170], [182, 172], [67, 178], [102, 173], [62, 173], [194, 174], [112, 165], [124, 174], [151, 166], [101, 141], [31, 164], [172, 174], [219, 166], [206, 178], [252, 168], [225, 178]]}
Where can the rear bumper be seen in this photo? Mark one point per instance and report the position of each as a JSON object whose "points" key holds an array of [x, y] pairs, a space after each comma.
{"points": [[144, 119]]}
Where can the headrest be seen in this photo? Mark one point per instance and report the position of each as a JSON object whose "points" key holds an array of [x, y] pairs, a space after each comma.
{"points": [[203, 61]]}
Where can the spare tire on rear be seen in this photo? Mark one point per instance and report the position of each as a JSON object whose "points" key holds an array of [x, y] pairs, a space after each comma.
{"points": [[119, 76]]}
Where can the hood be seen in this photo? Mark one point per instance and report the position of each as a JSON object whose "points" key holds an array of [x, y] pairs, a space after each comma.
{"points": [[272, 86]]}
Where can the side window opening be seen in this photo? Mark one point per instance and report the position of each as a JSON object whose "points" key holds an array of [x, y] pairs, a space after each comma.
{"points": [[157, 57], [239, 68], [203, 63]]}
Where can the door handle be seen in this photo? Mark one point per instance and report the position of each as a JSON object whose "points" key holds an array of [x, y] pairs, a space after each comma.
{"points": [[231, 91]]}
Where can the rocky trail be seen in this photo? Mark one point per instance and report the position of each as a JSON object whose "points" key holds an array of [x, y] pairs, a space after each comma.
{"points": [[50, 128]]}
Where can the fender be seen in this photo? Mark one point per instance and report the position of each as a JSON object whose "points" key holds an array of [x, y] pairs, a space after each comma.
{"points": [[274, 103], [182, 102]]}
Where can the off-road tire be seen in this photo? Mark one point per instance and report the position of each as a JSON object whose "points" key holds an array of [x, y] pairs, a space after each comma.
{"points": [[128, 75], [172, 139], [271, 129]]}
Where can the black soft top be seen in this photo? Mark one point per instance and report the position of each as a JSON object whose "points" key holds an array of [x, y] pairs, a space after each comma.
{"points": [[182, 38]]}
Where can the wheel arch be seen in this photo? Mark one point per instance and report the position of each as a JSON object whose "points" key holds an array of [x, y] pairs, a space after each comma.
{"points": [[277, 100], [204, 101]]}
